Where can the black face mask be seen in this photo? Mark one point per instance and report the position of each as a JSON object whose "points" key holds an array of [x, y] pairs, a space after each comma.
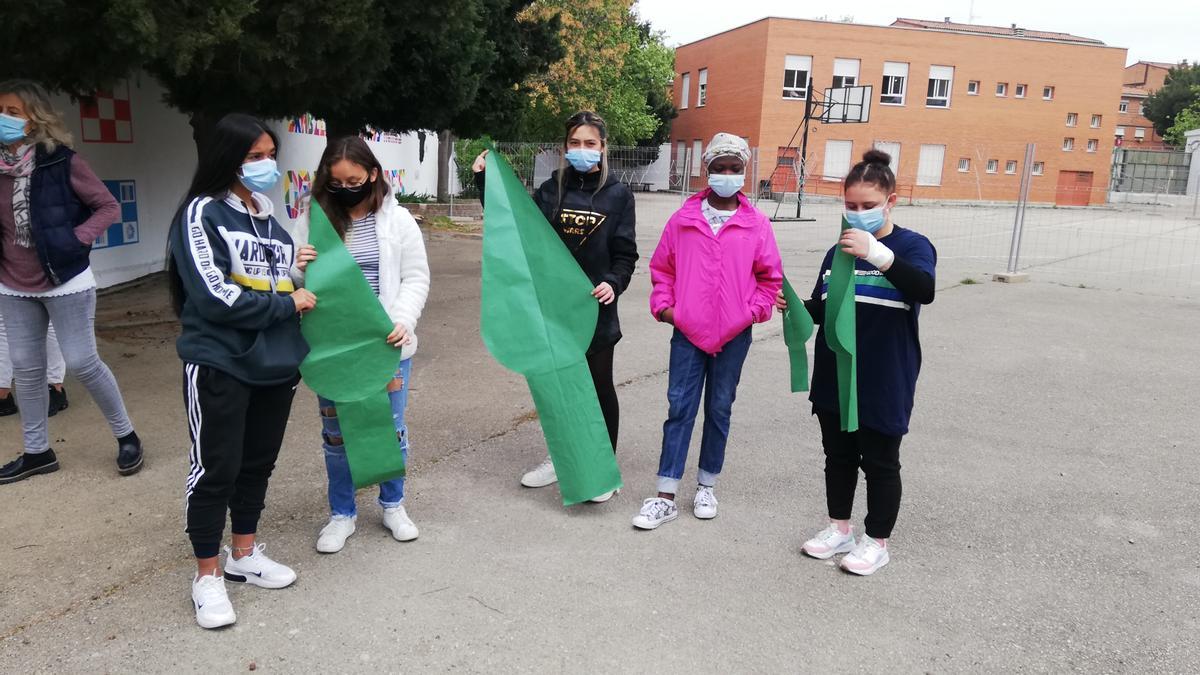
{"points": [[351, 197]]}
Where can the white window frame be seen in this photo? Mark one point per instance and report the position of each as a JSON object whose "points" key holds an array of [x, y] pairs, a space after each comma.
{"points": [[1020, 90], [1001, 89], [685, 91], [1039, 168], [1142, 108], [1120, 132], [972, 87], [697, 153], [895, 76], [927, 179], [802, 90], [1123, 106], [892, 148], [993, 166], [1093, 144], [844, 156], [702, 88], [964, 164], [1048, 92], [846, 72], [1139, 133], [1010, 167], [1072, 119], [680, 154], [1068, 144], [935, 75], [1097, 120]]}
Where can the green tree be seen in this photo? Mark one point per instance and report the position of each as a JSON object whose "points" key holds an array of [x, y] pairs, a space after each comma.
{"points": [[1185, 121], [1178, 92]]}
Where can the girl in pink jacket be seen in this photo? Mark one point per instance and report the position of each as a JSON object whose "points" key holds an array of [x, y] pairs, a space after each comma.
{"points": [[715, 273]]}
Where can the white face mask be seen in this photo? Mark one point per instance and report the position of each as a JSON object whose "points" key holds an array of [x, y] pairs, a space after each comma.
{"points": [[726, 185]]}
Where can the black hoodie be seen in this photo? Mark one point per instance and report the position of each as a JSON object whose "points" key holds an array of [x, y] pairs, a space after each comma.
{"points": [[598, 228]]}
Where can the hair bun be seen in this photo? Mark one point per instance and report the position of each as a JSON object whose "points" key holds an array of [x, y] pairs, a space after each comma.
{"points": [[876, 156]]}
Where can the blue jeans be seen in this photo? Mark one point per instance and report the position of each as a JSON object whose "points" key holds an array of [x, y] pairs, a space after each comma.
{"points": [[692, 371], [341, 485]]}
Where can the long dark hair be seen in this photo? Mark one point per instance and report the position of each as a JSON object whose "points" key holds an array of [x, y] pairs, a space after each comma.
{"points": [[222, 152], [584, 118], [874, 169], [355, 150]]}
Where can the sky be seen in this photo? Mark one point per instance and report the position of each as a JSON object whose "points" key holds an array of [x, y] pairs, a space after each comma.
{"points": [[1166, 30]]}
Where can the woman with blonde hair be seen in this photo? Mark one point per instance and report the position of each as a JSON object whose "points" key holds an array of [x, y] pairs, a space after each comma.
{"points": [[52, 207]]}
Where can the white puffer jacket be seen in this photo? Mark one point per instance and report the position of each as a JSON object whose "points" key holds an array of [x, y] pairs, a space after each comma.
{"points": [[403, 266]]}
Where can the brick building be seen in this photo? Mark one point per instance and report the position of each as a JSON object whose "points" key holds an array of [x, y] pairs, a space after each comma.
{"points": [[954, 104], [1135, 131]]}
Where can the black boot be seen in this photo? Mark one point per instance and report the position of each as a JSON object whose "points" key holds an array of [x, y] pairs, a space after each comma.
{"points": [[8, 405], [58, 400], [129, 454], [28, 465]]}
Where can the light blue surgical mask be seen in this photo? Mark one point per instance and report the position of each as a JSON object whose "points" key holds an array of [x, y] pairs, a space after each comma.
{"points": [[12, 129], [726, 184], [870, 220], [259, 176], [582, 159]]}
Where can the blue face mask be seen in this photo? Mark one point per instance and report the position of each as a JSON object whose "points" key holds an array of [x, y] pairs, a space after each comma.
{"points": [[726, 184], [870, 220], [582, 159], [12, 129], [259, 176]]}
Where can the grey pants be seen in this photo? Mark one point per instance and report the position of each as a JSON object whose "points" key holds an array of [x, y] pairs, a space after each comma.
{"points": [[74, 317]]}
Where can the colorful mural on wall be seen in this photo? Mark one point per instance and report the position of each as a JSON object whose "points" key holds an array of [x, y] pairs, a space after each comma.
{"points": [[125, 230], [107, 116], [296, 185], [306, 124]]}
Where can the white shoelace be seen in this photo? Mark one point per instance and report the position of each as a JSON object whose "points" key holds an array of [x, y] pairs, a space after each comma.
{"points": [[210, 588], [656, 509], [705, 497]]}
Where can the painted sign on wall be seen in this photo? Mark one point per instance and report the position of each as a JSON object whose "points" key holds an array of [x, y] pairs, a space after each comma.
{"points": [[107, 116], [125, 230]]}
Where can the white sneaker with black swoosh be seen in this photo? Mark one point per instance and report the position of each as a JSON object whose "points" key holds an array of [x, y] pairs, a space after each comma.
{"points": [[257, 569], [213, 608]]}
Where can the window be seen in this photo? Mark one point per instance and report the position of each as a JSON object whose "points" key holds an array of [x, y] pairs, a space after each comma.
{"points": [[973, 87], [1096, 119], [1093, 144], [964, 164], [1010, 167], [1019, 92], [837, 159], [1072, 119], [1002, 89], [685, 91], [1124, 107], [680, 155], [1047, 93], [1068, 144], [895, 77], [796, 70], [993, 165], [702, 88], [938, 94], [845, 73], [929, 165], [1039, 168], [1141, 108], [1119, 132], [1139, 133], [697, 153], [892, 148]]}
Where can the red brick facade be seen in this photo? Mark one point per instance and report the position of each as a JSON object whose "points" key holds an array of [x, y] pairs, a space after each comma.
{"points": [[1135, 131]]}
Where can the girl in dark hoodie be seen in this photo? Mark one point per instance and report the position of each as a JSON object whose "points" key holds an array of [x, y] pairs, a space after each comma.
{"points": [[593, 213]]}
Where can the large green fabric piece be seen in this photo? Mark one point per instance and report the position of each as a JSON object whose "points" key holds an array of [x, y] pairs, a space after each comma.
{"points": [[349, 359], [797, 328], [840, 333], [537, 317]]}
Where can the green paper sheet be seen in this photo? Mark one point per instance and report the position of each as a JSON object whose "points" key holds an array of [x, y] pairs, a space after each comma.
{"points": [[349, 359], [797, 328], [841, 335], [537, 318]]}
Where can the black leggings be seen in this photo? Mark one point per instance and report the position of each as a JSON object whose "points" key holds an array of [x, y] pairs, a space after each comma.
{"points": [[601, 365], [879, 457]]}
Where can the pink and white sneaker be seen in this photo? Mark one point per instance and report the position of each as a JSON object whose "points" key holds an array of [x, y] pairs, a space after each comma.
{"points": [[866, 558], [829, 542]]}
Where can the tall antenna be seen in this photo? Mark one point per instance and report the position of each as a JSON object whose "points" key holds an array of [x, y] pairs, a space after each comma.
{"points": [[971, 12]]}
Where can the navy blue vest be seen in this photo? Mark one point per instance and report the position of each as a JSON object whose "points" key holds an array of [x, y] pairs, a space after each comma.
{"points": [[54, 213]]}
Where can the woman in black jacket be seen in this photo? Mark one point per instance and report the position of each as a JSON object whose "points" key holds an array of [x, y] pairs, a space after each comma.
{"points": [[593, 213]]}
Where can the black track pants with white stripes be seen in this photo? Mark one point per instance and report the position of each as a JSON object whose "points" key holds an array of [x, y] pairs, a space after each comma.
{"points": [[236, 430]]}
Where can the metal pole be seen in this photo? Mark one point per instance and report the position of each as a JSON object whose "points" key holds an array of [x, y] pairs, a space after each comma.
{"points": [[808, 97], [1014, 252]]}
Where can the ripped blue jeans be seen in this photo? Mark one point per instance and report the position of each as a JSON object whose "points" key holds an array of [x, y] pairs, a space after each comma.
{"points": [[341, 485]]}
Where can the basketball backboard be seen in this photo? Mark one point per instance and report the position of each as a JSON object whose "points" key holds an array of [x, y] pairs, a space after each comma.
{"points": [[847, 105]]}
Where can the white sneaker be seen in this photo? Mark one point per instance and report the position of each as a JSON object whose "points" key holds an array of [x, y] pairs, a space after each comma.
{"points": [[600, 499], [655, 511], [258, 570], [829, 542], [867, 557], [335, 533], [213, 608], [541, 476], [396, 519], [705, 503]]}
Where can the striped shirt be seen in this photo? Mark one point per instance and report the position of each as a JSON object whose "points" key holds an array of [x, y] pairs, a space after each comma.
{"points": [[363, 244]]}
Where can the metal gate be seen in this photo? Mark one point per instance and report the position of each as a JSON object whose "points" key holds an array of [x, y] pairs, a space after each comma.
{"points": [[1150, 171]]}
